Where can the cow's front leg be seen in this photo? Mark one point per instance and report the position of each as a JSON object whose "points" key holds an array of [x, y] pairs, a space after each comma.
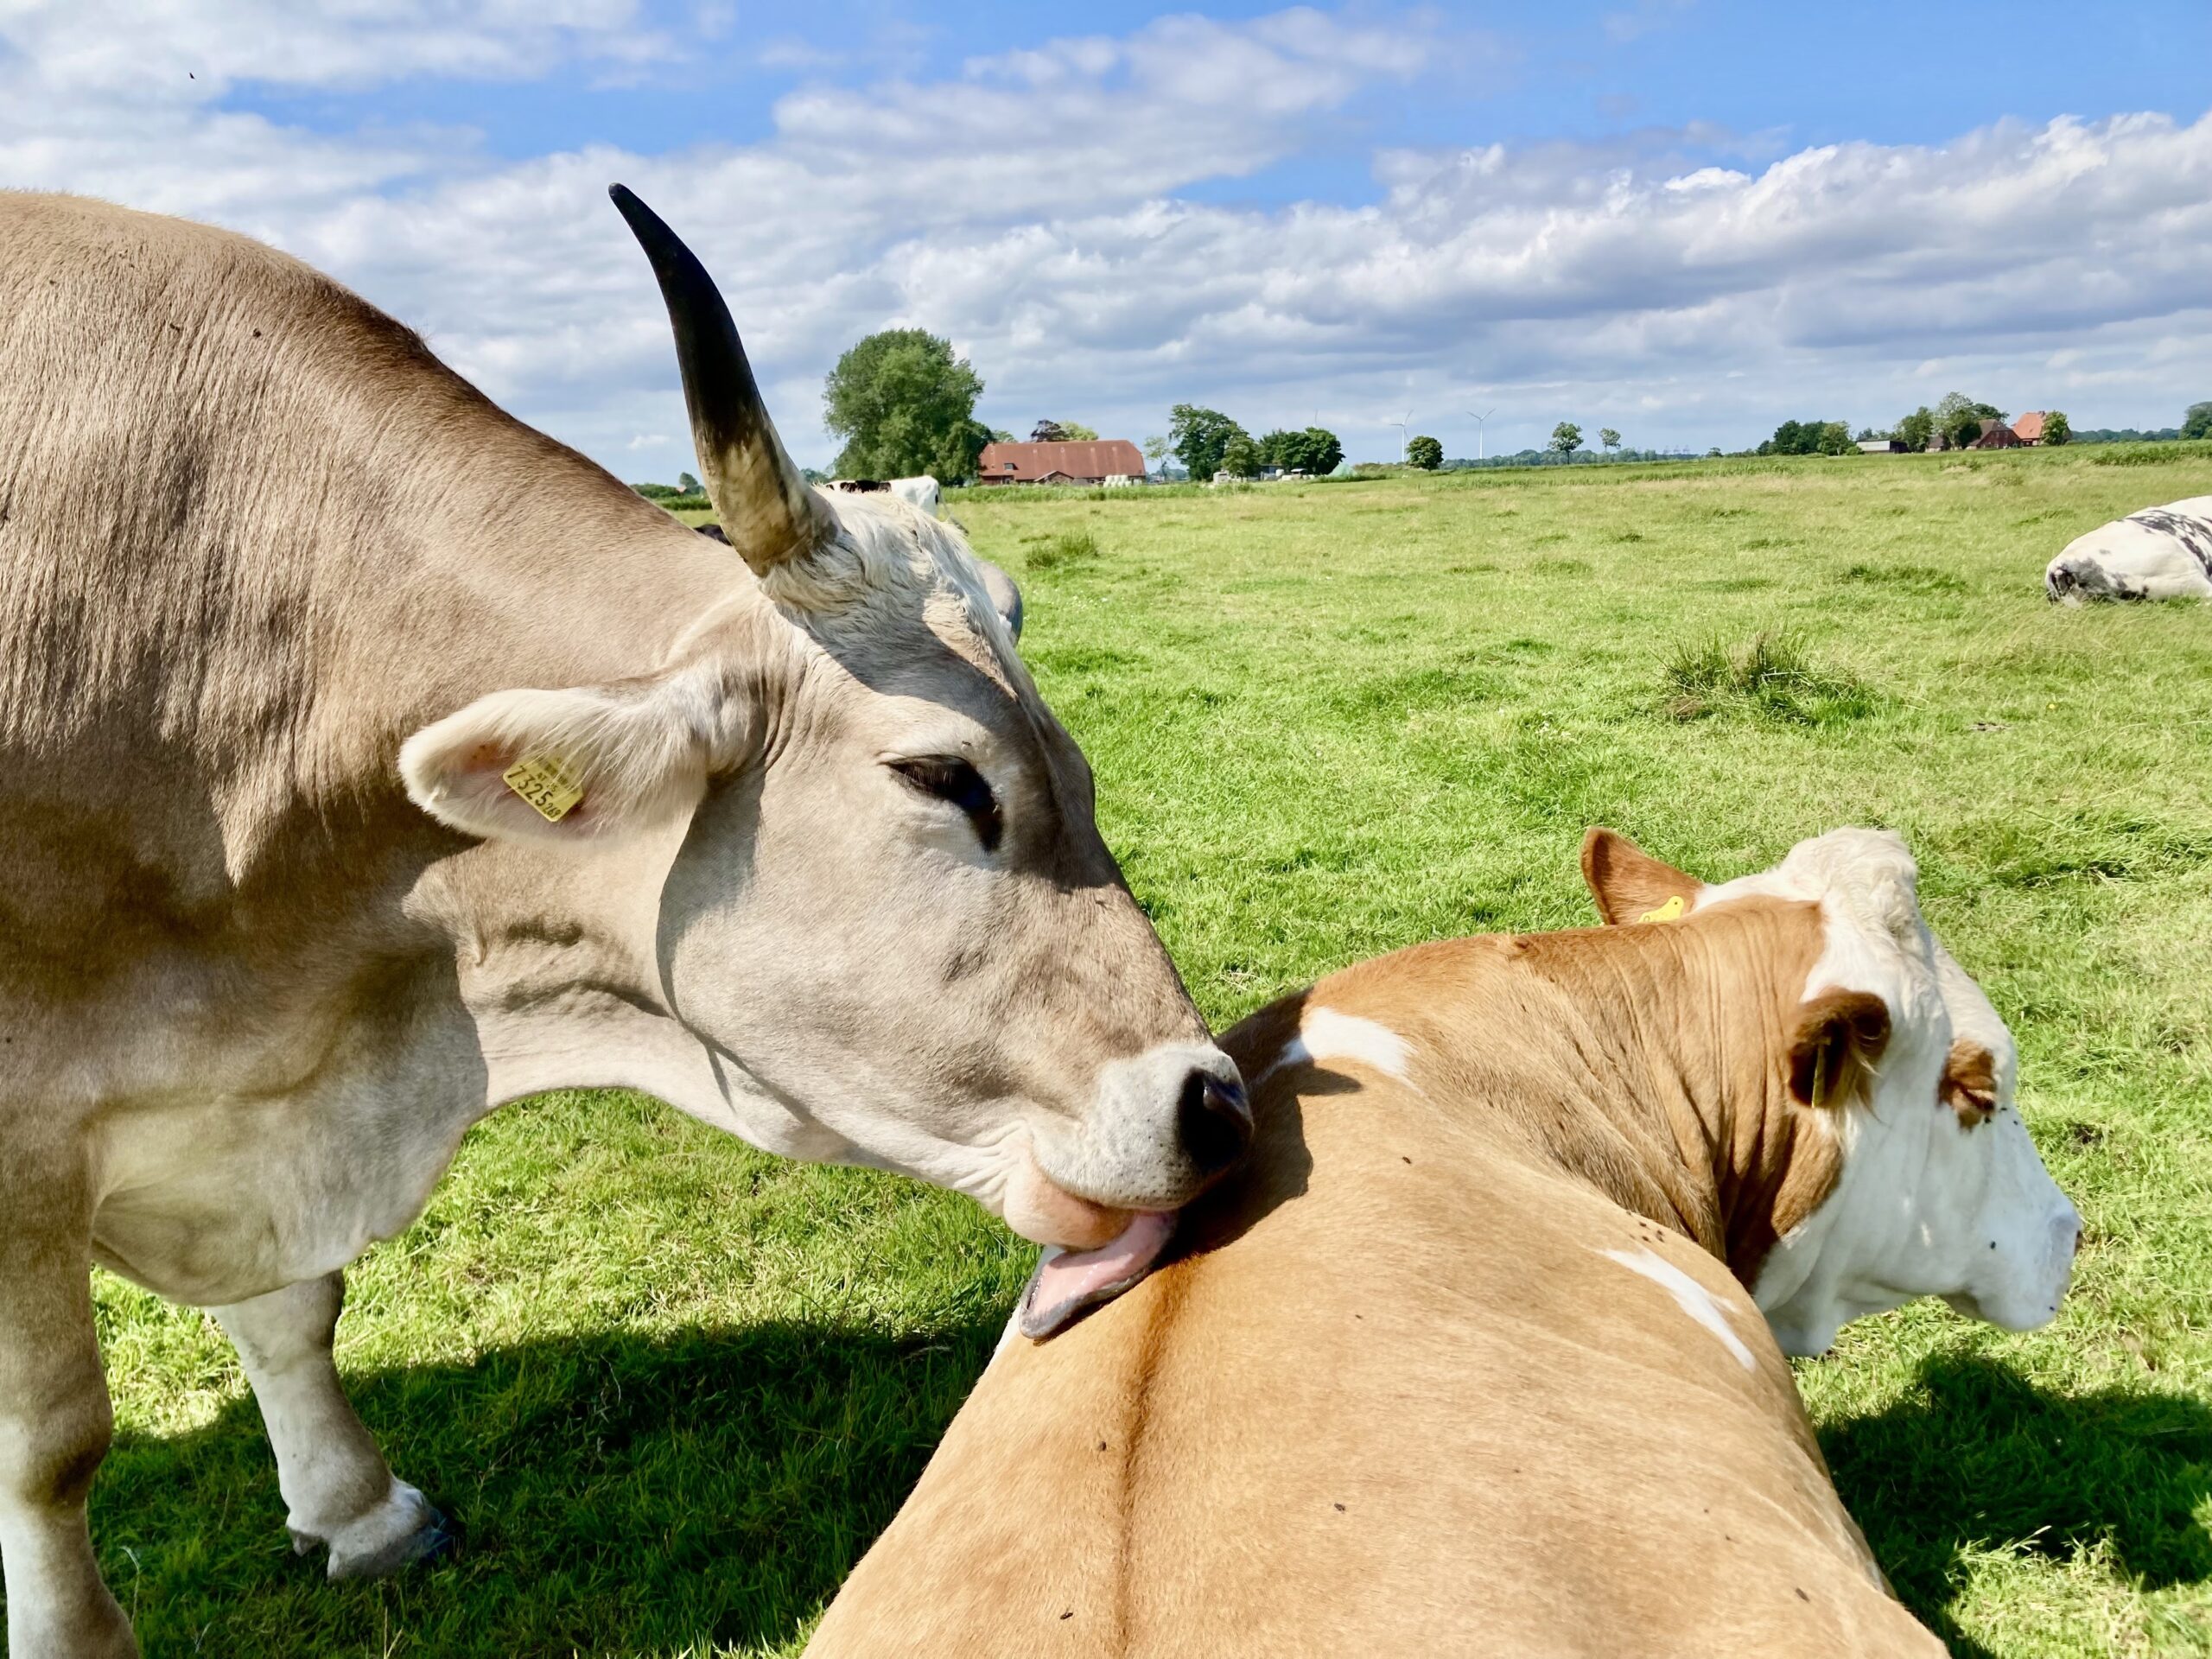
{"points": [[54, 1418], [336, 1484]]}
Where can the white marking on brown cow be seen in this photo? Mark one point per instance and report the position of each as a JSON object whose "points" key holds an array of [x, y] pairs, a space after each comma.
{"points": [[1325, 1034], [1690, 1296]]}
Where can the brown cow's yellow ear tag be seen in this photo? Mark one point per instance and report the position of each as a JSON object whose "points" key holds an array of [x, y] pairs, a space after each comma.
{"points": [[1666, 912], [548, 783]]}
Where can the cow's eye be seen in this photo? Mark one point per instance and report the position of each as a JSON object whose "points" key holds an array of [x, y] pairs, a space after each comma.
{"points": [[952, 779]]}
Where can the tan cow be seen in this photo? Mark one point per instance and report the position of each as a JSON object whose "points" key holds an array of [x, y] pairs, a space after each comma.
{"points": [[1465, 1362], [368, 759]]}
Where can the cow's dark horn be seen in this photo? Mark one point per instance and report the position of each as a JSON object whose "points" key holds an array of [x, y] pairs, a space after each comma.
{"points": [[764, 503]]}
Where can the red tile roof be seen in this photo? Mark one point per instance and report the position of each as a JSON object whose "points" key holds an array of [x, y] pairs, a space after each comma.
{"points": [[1025, 463], [2029, 427]]}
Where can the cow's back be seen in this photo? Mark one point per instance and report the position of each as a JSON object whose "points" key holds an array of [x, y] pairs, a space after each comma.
{"points": [[1399, 1399]]}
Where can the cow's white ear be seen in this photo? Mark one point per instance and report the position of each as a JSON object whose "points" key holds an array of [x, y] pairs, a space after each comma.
{"points": [[590, 761], [1006, 598], [1628, 883]]}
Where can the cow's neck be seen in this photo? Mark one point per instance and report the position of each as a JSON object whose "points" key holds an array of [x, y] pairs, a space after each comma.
{"points": [[1674, 1094], [555, 962]]}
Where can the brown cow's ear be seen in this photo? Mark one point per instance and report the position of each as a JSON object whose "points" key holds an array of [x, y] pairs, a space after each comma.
{"points": [[1835, 1045], [1969, 1085], [563, 765], [1628, 884]]}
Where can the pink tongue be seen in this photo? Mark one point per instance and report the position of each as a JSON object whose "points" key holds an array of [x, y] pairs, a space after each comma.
{"points": [[1072, 1281]]}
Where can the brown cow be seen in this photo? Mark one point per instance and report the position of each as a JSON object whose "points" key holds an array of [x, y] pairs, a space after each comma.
{"points": [[1466, 1361]]}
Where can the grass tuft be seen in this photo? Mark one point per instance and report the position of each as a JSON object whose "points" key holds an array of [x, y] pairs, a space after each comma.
{"points": [[1906, 578], [1770, 678], [1069, 547]]}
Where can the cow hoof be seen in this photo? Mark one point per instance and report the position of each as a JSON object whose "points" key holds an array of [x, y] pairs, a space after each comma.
{"points": [[405, 1529]]}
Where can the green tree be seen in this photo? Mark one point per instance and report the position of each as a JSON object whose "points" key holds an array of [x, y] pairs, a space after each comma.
{"points": [[1916, 428], [1959, 419], [1425, 453], [1240, 456], [1324, 454], [1077, 432], [1608, 439], [1567, 438], [1314, 450], [1832, 438], [2056, 428], [905, 405], [2197, 424], [1198, 436], [1155, 451], [688, 484]]}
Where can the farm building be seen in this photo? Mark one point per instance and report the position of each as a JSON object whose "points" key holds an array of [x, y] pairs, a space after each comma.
{"points": [[1098, 462], [1881, 446], [2028, 428], [1995, 434]]}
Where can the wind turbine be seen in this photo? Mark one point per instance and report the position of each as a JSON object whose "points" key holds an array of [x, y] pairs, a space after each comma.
{"points": [[1403, 426], [1479, 420]]}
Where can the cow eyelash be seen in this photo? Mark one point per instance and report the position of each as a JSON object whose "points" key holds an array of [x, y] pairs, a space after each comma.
{"points": [[951, 779]]}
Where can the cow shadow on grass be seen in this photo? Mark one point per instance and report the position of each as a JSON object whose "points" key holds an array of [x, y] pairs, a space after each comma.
{"points": [[1977, 1457], [692, 1496]]}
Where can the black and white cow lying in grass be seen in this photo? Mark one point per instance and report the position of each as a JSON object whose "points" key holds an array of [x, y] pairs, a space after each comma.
{"points": [[2159, 553]]}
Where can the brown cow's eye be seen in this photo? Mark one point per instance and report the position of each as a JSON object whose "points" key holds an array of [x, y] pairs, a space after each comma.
{"points": [[952, 779]]}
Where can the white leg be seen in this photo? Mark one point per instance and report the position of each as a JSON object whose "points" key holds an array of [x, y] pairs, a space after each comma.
{"points": [[54, 1418], [335, 1482]]}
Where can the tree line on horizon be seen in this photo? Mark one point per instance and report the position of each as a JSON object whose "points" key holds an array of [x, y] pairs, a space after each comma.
{"points": [[904, 403]]}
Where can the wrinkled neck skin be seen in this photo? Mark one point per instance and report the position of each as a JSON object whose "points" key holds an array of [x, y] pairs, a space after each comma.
{"points": [[1674, 1036], [580, 1004]]}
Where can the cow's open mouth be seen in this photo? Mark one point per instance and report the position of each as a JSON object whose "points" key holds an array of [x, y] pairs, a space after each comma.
{"points": [[1068, 1282]]}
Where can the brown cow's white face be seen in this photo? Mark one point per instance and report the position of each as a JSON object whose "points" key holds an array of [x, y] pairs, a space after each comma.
{"points": [[1941, 1191], [891, 909]]}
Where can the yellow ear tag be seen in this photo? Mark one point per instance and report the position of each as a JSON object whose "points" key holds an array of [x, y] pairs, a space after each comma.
{"points": [[548, 783], [1666, 912]]}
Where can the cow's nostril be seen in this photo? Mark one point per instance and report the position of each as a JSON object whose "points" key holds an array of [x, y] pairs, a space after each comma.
{"points": [[1214, 1122]]}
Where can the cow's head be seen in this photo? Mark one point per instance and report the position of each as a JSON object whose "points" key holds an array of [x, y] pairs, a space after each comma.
{"points": [[891, 909], [1902, 1067]]}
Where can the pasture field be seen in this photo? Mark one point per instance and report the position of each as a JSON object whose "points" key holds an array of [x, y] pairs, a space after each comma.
{"points": [[672, 1387]]}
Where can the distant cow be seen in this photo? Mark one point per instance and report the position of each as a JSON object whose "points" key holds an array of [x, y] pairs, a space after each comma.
{"points": [[2159, 553], [1471, 1359], [921, 491], [1005, 597]]}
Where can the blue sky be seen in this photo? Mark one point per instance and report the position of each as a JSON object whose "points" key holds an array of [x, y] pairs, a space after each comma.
{"points": [[1684, 218], [1815, 74]]}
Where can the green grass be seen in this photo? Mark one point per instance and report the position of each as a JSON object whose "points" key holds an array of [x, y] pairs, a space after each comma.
{"points": [[673, 1387]]}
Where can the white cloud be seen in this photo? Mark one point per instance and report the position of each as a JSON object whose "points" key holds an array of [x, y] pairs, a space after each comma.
{"points": [[1031, 209]]}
